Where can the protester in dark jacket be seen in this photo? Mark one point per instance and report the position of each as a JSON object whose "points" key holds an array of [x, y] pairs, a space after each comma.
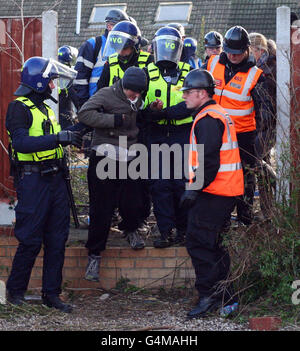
{"points": [[112, 113]]}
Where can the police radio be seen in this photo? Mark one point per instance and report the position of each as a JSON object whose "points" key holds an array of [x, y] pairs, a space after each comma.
{"points": [[46, 126]]}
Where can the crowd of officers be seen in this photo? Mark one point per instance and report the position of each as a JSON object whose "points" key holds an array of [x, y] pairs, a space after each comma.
{"points": [[150, 93]]}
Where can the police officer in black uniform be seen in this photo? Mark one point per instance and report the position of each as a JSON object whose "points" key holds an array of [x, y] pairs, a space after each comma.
{"points": [[166, 77], [42, 211]]}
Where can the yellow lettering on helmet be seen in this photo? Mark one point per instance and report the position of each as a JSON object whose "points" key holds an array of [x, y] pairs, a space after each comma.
{"points": [[116, 40], [170, 45]]}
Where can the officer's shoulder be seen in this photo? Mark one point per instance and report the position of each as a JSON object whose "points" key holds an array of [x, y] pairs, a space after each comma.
{"points": [[18, 114], [17, 106], [210, 122]]}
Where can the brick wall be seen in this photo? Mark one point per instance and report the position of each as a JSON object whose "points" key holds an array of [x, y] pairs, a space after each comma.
{"points": [[149, 268]]}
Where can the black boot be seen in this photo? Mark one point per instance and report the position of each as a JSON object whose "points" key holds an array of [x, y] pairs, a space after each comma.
{"points": [[204, 306], [16, 299], [165, 240], [179, 239], [55, 301]]}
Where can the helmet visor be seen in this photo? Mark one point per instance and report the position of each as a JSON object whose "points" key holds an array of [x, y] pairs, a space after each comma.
{"points": [[55, 69], [167, 48], [117, 41]]}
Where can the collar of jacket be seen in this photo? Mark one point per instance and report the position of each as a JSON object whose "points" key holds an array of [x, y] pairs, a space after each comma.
{"points": [[244, 66], [210, 102], [269, 67]]}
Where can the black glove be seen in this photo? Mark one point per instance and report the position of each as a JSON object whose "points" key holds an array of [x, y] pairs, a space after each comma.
{"points": [[122, 120], [148, 115], [188, 199], [66, 137]]}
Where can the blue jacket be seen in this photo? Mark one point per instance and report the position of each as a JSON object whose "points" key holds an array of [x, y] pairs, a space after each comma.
{"points": [[195, 62], [89, 69]]}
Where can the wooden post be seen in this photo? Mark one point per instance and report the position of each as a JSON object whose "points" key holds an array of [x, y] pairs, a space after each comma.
{"points": [[295, 116]]}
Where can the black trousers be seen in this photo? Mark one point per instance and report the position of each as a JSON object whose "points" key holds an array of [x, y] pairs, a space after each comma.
{"points": [[210, 258], [42, 219], [104, 196], [247, 152]]}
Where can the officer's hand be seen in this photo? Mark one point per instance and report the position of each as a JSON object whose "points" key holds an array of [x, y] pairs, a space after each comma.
{"points": [[188, 199], [66, 137], [156, 105]]}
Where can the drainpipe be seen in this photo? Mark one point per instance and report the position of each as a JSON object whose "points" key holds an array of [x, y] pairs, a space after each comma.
{"points": [[78, 20]]}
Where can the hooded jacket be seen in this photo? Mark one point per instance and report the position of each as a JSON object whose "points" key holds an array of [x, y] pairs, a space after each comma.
{"points": [[103, 112]]}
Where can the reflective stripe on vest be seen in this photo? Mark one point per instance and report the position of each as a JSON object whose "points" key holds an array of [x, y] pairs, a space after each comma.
{"points": [[116, 72], [159, 88], [36, 130], [229, 180], [235, 96], [97, 67]]}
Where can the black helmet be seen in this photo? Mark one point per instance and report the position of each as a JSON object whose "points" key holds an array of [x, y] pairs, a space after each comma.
{"points": [[198, 79], [135, 79], [179, 27], [236, 40], [213, 39], [115, 16], [167, 45]]}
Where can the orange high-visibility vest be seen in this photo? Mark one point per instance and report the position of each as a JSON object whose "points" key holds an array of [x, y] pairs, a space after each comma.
{"points": [[229, 180], [235, 96]]}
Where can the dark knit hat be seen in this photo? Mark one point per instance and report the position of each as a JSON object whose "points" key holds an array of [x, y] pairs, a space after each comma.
{"points": [[135, 79]]}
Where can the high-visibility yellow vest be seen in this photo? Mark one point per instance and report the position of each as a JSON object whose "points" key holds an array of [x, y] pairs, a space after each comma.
{"points": [[168, 93], [116, 72], [36, 130]]}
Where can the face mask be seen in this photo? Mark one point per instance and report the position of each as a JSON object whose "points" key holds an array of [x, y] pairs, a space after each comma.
{"points": [[133, 102]]}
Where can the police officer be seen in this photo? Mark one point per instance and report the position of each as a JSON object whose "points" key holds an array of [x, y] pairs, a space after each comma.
{"points": [[67, 97], [240, 90], [90, 63], [213, 44], [210, 197], [122, 50], [184, 53], [42, 212], [166, 77], [190, 45], [90, 60]]}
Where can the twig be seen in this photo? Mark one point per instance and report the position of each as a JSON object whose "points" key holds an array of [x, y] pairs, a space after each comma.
{"points": [[154, 328]]}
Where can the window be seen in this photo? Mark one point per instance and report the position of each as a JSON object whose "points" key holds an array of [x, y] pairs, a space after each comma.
{"points": [[173, 11], [99, 13]]}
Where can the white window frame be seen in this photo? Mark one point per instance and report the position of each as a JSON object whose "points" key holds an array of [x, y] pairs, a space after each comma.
{"points": [[173, 4], [102, 23]]}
